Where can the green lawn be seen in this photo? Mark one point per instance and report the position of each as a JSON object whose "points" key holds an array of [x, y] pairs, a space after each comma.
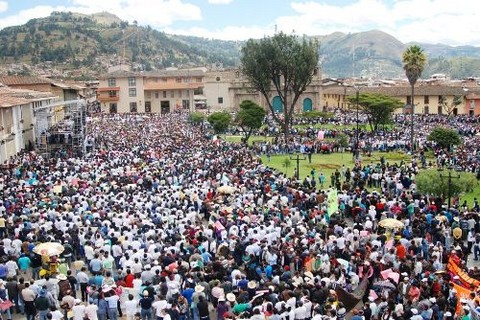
{"points": [[327, 163], [238, 139]]}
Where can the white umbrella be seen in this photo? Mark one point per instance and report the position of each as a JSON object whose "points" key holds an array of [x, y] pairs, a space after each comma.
{"points": [[49, 249], [226, 189]]}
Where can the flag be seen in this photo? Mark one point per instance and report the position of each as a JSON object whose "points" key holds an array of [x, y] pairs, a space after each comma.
{"points": [[332, 202]]}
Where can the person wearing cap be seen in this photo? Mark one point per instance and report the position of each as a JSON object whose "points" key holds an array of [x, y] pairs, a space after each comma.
{"points": [[42, 304], [78, 310], [146, 306], [415, 315]]}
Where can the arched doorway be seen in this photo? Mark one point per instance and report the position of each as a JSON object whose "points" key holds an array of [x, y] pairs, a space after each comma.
{"points": [[307, 104], [277, 104]]}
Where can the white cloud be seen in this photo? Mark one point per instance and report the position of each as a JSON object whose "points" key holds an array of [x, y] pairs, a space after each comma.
{"points": [[227, 33], [220, 1], [431, 21], [158, 14], [3, 6]]}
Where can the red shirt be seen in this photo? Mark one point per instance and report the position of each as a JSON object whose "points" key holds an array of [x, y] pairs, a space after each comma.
{"points": [[401, 251], [129, 280]]}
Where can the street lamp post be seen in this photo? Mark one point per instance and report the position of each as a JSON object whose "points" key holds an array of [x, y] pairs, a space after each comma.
{"points": [[449, 186]]}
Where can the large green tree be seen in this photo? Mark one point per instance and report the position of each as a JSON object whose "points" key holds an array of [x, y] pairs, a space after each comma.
{"points": [[449, 107], [196, 118], [220, 121], [414, 60], [435, 183], [377, 107], [444, 137], [283, 64], [249, 118]]}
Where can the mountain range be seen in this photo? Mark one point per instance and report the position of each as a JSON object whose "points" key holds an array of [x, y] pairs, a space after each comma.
{"points": [[86, 45]]}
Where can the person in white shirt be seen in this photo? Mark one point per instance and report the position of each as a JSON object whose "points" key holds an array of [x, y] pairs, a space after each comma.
{"points": [[91, 311], [131, 307], [78, 309]]}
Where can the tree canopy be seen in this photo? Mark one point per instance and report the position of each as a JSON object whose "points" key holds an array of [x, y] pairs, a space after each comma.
{"points": [[249, 118], [283, 64], [414, 60], [435, 183], [378, 107], [220, 121], [449, 107], [444, 137], [196, 118]]}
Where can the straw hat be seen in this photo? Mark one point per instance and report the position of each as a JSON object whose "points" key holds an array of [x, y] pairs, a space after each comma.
{"points": [[199, 288], [252, 284], [231, 297], [62, 277]]}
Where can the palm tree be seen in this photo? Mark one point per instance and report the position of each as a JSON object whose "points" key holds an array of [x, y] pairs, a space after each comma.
{"points": [[414, 60]]}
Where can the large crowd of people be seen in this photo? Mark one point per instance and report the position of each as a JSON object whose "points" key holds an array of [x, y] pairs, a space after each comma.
{"points": [[160, 221]]}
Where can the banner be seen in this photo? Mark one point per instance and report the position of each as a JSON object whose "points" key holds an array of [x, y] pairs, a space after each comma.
{"points": [[466, 280], [462, 293], [332, 202]]}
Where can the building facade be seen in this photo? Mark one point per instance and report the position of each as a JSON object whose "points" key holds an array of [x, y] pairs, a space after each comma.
{"points": [[226, 89], [17, 119], [157, 92], [429, 99]]}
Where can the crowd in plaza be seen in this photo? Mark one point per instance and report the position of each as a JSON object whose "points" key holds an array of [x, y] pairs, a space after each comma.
{"points": [[159, 221]]}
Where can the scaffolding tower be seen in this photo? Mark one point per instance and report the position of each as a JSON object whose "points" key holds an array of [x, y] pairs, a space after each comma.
{"points": [[60, 129]]}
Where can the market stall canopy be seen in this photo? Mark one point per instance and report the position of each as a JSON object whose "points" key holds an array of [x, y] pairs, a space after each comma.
{"points": [[391, 223]]}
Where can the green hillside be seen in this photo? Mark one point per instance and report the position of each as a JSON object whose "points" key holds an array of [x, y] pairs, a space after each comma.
{"points": [[92, 43]]}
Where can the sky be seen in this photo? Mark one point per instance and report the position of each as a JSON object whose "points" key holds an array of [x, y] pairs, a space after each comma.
{"points": [[428, 21]]}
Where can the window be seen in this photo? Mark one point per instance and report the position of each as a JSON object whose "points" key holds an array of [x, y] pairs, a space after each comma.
{"points": [[156, 95], [426, 99], [164, 79], [179, 93], [133, 107], [113, 108], [200, 79], [178, 80], [132, 82], [409, 101], [164, 94], [186, 104], [132, 92], [186, 80], [148, 106], [112, 94], [440, 99], [440, 110], [472, 104], [172, 94], [112, 82], [198, 91], [425, 110], [148, 95], [220, 100]]}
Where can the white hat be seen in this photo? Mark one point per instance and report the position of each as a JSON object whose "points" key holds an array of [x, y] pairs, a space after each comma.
{"points": [[424, 280], [252, 284], [414, 311], [61, 277], [405, 278], [370, 298], [147, 267], [199, 288], [231, 297], [433, 300], [221, 298], [77, 301], [145, 293]]}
